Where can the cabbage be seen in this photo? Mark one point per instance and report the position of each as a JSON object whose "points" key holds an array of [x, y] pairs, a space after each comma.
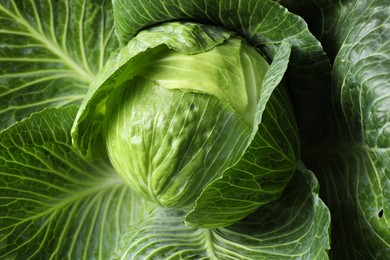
{"points": [[183, 129]]}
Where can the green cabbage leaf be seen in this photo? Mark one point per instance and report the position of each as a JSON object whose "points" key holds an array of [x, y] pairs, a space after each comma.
{"points": [[50, 52]]}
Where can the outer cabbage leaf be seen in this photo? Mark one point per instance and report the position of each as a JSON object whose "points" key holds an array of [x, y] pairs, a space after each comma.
{"points": [[264, 24], [356, 189], [54, 204], [296, 226], [353, 158], [49, 53]]}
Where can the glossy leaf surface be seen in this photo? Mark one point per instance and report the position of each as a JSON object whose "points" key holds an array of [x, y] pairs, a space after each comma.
{"points": [[54, 204], [49, 53]]}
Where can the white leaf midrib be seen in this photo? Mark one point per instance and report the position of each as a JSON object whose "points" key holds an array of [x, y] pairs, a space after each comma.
{"points": [[209, 243]]}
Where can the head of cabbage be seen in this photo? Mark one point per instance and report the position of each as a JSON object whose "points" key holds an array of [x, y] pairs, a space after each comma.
{"points": [[194, 118]]}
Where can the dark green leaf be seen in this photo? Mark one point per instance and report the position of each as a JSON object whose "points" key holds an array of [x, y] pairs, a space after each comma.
{"points": [[54, 204], [353, 159], [49, 53]]}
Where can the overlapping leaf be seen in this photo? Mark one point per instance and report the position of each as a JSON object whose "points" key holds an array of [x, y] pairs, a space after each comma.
{"points": [[266, 166], [49, 52], [293, 227], [54, 204]]}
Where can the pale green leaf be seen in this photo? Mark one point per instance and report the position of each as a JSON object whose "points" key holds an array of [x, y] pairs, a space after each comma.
{"points": [[169, 144], [129, 61], [268, 163]]}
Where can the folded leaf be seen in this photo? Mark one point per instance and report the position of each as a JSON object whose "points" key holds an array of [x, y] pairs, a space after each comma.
{"points": [[268, 163]]}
